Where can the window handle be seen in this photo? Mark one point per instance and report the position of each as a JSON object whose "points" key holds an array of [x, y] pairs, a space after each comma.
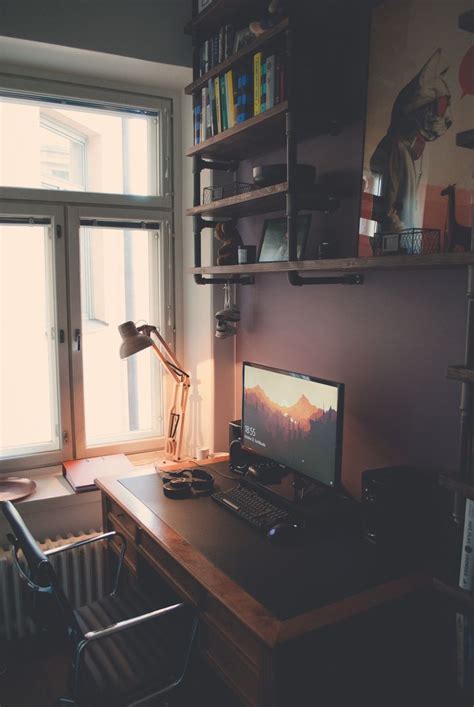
{"points": [[77, 338]]}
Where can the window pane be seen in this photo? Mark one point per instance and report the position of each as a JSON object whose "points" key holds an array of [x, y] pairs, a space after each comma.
{"points": [[122, 398], [75, 148], [29, 400]]}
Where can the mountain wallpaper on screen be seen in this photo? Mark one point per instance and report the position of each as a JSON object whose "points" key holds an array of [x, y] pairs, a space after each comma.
{"points": [[302, 436]]}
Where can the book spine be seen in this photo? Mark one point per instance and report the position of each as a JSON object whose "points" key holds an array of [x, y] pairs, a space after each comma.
{"points": [[277, 80], [246, 96], [221, 44], [212, 107], [263, 87], [257, 80], [270, 81], [217, 93], [203, 115], [466, 572], [238, 102], [229, 81], [225, 123]]}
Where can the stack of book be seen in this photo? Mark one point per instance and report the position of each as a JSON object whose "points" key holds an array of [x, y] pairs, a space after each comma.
{"points": [[235, 96], [216, 49]]}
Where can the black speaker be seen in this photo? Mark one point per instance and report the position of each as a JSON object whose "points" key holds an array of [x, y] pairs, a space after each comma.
{"points": [[234, 430], [399, 508], [239, 459]]}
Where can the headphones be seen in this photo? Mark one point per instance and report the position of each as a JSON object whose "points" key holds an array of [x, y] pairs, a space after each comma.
{"points": [[187, 483]]}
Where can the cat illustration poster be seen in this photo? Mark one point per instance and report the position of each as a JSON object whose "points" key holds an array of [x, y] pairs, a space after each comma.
{"points": [[417, 182]]}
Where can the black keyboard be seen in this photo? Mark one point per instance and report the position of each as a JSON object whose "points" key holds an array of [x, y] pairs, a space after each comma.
{"points": [[252, 507]]}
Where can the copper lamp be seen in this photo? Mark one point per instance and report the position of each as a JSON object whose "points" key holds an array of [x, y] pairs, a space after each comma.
{"points": [[135, 339]]}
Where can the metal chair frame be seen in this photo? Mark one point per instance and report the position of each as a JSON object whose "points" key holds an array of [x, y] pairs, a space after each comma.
{"points": [[92, 636]]}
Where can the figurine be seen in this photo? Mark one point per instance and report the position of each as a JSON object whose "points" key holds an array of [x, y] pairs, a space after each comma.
{"points": [[231, 240], [274, 14]]}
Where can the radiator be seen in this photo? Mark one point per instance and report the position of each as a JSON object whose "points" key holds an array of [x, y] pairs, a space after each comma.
{"points": [[80, 572]]}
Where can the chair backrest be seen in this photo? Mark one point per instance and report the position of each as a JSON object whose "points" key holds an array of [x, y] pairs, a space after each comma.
{"points": [[40, 569]]}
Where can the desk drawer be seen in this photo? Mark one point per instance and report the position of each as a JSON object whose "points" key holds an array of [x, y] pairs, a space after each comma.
{"points": [[125, 520], [241, 676], [179, 579], [234, 631]]}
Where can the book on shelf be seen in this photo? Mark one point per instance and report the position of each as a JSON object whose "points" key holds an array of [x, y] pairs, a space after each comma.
{"points": [[270, 87], [217, 93], [257, 82], [263, 87], [225, 122], [216, 49], [230, 99], [465, 623], [466, 571], [236, 95]]}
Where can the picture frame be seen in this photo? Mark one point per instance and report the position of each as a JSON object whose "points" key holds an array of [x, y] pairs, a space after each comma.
{"points": [[202, 4], [273, 246]]}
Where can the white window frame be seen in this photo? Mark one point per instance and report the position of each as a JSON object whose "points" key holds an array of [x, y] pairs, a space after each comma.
{"points": [[56, 214], [67, 207], [162, 253], [162, 171]]}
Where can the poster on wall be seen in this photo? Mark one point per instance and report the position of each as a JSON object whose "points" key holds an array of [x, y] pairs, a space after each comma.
{"points": [[417, 187]]}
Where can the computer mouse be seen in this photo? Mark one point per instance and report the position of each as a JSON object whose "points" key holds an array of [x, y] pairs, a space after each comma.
{"points": [[283, 532]]}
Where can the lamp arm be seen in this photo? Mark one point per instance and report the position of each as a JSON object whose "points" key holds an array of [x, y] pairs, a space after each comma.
{"points": [[180, 394]]}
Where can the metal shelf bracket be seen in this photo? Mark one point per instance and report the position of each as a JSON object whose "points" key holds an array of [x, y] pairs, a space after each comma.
{"points": [[295, 279]]}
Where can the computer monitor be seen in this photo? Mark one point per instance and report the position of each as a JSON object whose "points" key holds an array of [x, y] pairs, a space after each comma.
{"points": [[294, 420]]}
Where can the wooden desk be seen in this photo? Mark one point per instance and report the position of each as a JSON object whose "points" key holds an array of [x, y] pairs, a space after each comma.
{"points": [[239, 636]]}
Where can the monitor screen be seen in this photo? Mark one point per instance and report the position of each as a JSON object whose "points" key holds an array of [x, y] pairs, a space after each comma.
{"points": [[293, 419]]}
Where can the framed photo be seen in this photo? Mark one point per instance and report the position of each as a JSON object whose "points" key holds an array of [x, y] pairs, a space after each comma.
{"points": [[274, 243]]}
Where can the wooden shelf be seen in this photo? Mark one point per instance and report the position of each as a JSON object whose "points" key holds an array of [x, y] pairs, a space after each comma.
{"points": [[247, 138], [463, 599], [454, 483], [389, 262], [264, 200], [461, 373], [225, 65], [219, 13]]}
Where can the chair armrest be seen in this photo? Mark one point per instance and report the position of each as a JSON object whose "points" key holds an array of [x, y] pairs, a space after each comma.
{"points": [[80, 543], [129, 623]]}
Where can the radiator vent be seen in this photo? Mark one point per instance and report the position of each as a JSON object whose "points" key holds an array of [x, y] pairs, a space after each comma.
{"points": [[80, 571]]}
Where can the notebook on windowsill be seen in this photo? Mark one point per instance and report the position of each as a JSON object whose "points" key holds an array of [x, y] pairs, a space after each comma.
{"points": [[80, 473]]}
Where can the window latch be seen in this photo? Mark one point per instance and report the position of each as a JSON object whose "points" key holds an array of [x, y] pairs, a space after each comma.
{"points": [[77, 338]]}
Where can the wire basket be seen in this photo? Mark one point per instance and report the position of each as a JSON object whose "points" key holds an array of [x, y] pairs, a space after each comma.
{"points": [[410, 241], [211, 194]]}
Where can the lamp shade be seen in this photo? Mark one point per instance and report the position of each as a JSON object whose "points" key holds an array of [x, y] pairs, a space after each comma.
{"points": [[132, 340]]}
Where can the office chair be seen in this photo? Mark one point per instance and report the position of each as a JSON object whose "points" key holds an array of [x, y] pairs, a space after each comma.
{"points": [[126, 652]]}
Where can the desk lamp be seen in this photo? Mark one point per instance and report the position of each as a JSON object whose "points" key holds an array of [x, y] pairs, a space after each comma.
{"points": [[135, 339]]}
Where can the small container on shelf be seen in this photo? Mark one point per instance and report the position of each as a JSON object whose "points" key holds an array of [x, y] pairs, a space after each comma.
{"points": [[211, 194]]}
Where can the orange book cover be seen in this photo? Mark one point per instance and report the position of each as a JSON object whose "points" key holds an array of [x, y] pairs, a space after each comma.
{"points": [[80, 473]]}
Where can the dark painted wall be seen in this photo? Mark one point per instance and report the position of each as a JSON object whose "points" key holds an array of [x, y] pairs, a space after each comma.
{"points": [[144, 29], [389, 340]]}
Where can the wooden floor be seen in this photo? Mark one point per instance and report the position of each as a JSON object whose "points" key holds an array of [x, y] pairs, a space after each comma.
{"points": [[37, 675]]}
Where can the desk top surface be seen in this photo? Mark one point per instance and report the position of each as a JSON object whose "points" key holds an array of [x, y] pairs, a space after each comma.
{"points": [[285, 589]]}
